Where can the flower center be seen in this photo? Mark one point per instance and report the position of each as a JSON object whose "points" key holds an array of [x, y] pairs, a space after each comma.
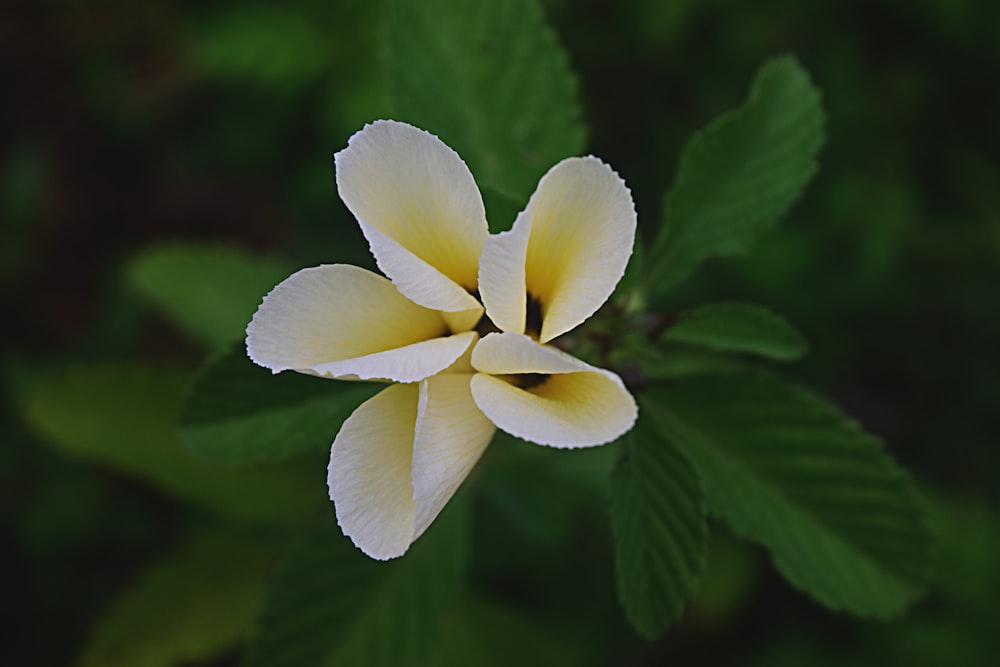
{"points": [[532, 327], [485, 326], [527, 380], [533, 317]]}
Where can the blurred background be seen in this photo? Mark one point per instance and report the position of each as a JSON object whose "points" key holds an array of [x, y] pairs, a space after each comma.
{"points": [[130, 125]]}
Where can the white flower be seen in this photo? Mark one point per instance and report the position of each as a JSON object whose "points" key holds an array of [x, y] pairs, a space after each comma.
{"points": [[402, 454]]}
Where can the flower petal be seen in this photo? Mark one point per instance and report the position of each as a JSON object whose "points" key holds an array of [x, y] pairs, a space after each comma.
{"points": [[418, 280], [581, 226], [502, 284], [451, 435], [510, 354], [411, 363], [575, 405], [419, 207], [369, 473], [342, 321]]}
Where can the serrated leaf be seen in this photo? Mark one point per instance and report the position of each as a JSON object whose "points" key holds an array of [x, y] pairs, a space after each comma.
{"points": [[739, 175], [239, 413], [332, 605], [208, 292], [123, 418], [491, 80], [661, 533], [786, 469], [738, 327], [194, 604], [662, 362]]}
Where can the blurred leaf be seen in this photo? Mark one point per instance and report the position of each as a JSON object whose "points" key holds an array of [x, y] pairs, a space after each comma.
{"points": [[486, 634], [659, 518], [238, 412], [209, 292], [786, 469], [738, 327], [123, 418], [491, 80], [969, 572], [22, 188], [332, 605], [523, 478], [729, 581], [739, 175], [192, 605], [267, 46]]}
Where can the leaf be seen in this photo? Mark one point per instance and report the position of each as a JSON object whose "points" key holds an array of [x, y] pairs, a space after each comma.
{"points": [[522, 481], [123, 418], [787, 470], [194, 604], [738, 327], [332, 605], [239, 413], [739, 175], [647, 361], [661, 534], [486, 634], [491, 80], [208, 292], [275, 50]]}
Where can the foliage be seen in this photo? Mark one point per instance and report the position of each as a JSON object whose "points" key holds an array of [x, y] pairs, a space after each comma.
{"points": [[333, 605], [739, 175], [208, 292], [193, 604], [492, 81], [153, 148], [659, 514], [783, 468], [237, 412]]}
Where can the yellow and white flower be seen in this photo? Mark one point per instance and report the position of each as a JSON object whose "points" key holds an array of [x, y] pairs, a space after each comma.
{"points": [[460, 325]]}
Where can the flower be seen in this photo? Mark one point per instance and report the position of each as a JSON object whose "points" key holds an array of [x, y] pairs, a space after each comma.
{"points": [[460, 326]]}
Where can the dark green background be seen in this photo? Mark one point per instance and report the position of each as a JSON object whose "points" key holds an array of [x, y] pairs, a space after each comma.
{"points": [[132, 123]]}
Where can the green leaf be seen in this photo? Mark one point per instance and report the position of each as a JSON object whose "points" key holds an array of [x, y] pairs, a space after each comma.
{"points": [[208, 292], [661, 534], [486, 634], [491, 80], [738, 327], [521, 482], [332, 605], [739, 175], [786, 469], [662, 362], [196, 603], [275, 50], [238, 412], [123, 418]]}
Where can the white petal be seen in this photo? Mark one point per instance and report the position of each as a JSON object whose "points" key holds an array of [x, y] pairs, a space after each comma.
{"points": [[576, 405], [369, 474], [403, 364], [340, 320], [463, 320], [452, 433], [510, 353], [419, 281], [502, 276], [581, 226], [414, 190]]}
